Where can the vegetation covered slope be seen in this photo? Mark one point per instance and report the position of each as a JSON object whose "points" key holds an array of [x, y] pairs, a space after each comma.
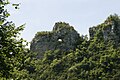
{"points": [[94, 59]]}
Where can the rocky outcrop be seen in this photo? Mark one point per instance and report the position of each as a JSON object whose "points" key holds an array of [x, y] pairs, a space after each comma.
{"points": [[110, 29], [63, 37]]}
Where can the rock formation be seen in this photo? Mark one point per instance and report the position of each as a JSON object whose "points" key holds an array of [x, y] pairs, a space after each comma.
{"points": [[110, 29], [63, 37]]}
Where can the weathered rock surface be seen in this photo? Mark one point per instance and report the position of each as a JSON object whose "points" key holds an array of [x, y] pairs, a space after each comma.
{"points": [[63, 37], [110, 29]]}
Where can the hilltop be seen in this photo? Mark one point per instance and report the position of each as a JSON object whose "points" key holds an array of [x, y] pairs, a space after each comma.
{"points": [[63, 54]]}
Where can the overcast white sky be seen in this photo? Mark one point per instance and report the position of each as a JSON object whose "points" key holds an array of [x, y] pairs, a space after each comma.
{"points": [[41, 15]]}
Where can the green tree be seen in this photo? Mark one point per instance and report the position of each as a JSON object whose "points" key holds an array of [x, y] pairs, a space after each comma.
{"points": [[14, 56]]}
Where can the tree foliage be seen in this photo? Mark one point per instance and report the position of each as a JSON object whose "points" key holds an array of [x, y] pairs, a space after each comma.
{"points": [[94, 59], [15, 59]]}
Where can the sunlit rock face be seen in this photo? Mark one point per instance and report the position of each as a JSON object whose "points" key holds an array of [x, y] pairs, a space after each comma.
{"points": [[110, 29], [63, 37]]}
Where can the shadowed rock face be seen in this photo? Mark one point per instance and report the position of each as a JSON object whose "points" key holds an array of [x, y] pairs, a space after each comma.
{"points": [[110, 29], [63, 37]]}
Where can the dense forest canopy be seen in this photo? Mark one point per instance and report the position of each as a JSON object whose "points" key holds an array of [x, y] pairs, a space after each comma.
{"points": [[97, 58]]}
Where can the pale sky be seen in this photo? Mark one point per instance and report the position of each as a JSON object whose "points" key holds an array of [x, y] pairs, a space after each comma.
{"points": [[41, 15]]}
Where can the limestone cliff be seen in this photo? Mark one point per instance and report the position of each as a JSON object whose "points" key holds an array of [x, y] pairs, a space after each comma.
{"points": [[63, 37]]}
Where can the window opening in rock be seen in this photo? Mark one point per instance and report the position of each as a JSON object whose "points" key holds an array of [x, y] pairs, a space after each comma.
{"points": [[60, 40]]}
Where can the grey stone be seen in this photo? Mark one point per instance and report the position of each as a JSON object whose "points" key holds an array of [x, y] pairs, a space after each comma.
{"points": [[63, 37], [110, 29]]}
